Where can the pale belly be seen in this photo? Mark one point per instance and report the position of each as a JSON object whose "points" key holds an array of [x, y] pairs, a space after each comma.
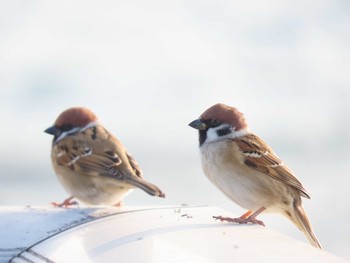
{"points": [[94, 190], [250, 190]]}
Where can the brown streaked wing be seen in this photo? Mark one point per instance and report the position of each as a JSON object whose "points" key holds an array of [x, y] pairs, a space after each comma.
{"points": [[258, 155], [67, 152], [107, 158], [134, 165], [82, 156]]}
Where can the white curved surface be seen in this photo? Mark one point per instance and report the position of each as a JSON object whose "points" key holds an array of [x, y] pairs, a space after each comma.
{"points": [[185, 234]]}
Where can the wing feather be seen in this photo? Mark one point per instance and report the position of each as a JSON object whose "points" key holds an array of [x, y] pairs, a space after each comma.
{"points": [[134, 165], [258, 155], [91, 160], [94, 152]]}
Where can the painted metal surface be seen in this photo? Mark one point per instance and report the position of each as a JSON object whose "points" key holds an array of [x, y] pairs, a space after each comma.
{"points": [[177, 234]]}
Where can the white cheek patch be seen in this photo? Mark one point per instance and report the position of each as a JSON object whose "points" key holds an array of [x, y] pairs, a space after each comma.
{"points": [[240, 133], [212, 133]]}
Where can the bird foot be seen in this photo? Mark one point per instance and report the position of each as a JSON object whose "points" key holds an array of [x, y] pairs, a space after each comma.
{"points": [[120, 204], [240, 220], [66, 203]]}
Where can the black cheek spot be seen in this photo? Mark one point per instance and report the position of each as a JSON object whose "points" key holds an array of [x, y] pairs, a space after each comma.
{"points": [[224, 131], [72, 167]]}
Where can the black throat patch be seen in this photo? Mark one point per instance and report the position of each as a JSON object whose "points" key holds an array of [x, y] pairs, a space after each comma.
{"points": [[202, 136]]}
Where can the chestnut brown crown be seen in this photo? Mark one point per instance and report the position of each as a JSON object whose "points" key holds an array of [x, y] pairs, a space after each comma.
{"points": [[226, 114], [75, 117]]}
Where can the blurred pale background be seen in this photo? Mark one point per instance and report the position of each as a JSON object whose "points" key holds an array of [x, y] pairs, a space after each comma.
{"points": [[148, 68]]}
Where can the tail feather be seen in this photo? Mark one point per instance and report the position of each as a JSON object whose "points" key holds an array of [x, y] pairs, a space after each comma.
{"points": [[301, 220], [149, 188]]}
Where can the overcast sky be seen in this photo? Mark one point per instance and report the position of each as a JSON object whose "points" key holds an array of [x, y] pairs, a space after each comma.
{"points": [[148, 68]]}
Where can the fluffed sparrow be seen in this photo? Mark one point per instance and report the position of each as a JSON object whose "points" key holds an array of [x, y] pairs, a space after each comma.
{"points": [[247, 170], [91, 163]]}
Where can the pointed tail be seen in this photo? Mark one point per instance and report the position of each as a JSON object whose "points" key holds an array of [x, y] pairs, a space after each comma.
{"points": [[301, 220], [148, 187]]}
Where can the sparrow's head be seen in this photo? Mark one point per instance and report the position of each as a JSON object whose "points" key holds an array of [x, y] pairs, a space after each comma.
{"points": [[71, 121], [220, 122]]}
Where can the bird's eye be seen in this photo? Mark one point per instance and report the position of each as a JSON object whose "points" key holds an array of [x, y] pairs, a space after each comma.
{"points": [[214, 123]]}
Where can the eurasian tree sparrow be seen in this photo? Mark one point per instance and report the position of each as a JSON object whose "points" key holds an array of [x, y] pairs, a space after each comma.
{"points": [[247, 170], [92, 164]]}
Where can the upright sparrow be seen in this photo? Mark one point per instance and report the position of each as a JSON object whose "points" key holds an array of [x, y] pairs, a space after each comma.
{"points": [[247, 170], [91, 163]]}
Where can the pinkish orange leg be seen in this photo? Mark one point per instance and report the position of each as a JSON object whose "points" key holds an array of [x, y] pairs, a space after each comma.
{"points": [[66, 203], [120, 204], [248, 217]]}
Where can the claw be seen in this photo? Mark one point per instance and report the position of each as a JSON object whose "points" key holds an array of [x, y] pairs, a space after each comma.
{"points": [[248, 217], [66, 203], [120, 204]]}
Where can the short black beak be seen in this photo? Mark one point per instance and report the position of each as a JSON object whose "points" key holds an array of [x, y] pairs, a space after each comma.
{"points": [[198, 124], [52, 130]]}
